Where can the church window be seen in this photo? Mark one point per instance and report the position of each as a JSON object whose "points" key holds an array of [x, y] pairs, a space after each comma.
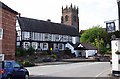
{"points": [[74, 18], [62, 19], [66, 18]]}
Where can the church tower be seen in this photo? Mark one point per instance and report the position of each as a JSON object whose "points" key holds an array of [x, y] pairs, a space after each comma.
{"points": [[70, 16]]}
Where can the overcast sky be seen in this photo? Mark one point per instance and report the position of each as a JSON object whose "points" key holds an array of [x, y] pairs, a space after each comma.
{"points": [[91, 12]]}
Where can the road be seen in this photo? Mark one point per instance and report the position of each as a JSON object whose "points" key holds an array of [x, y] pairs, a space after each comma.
{"points": [[82, 69]]}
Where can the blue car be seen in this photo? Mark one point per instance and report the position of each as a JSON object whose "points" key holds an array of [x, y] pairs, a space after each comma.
{"points": [[12, 70]]}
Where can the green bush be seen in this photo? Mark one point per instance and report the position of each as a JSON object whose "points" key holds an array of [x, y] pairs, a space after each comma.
{"points": [[67, 52], [44, 54], [30, 51], [20, 52], [27, 64], [54, 56]]}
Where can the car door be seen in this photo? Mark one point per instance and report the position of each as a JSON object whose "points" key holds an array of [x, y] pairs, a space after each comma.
{"points": [[18, 71]]}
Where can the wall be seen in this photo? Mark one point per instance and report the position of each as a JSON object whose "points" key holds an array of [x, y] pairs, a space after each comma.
{"points": [[8, 23]]}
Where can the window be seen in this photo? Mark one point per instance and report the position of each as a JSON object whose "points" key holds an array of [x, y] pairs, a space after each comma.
{"points": [[50, 37], [16, 65], [26, 35], [70, 39], [26, 45], [18, 44], [62, 19], [8, 65], [56, 37], [66, 18], [34, 45], [45, 46], [74, 18], [46, 37], [1, 33], [65, 38], [55, 47], [61, 47]]}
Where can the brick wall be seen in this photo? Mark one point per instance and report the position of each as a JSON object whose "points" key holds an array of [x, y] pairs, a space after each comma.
{"points": [[9, 34]]}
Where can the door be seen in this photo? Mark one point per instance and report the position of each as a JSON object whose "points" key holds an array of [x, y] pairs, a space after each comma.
{"points": [[18, 71]]}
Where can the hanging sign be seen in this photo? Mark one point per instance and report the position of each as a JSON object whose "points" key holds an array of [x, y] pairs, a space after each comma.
{"points": [[110, 26]]}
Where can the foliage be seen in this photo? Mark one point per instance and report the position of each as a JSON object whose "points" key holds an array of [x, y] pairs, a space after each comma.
{"points": [[23, 52], [30, 51], [96, 36], [27, 64], [67, 51], [20, 52], [116, 33]]}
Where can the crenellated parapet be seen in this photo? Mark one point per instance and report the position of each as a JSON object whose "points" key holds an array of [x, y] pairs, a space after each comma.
{"points": [[70, 9]]}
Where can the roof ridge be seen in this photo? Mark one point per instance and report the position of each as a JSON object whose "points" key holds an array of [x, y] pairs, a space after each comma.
{"points": [[31, 24]]}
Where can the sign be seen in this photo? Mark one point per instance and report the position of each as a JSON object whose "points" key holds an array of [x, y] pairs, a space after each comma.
{"points": [[2, 57], [110, 26], [1, 33]]}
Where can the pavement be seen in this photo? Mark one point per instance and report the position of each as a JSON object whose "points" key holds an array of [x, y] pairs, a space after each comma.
{"points": [[51, 63], [66, 61]]}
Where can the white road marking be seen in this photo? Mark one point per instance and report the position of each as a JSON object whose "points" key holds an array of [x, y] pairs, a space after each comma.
{"points": [[102, 73]]}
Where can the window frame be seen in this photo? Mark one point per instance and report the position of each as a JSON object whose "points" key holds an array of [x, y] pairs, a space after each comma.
{"points": [[1, 33]]}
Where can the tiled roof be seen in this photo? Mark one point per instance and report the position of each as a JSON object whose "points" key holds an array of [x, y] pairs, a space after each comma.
{"points": [[88, 46], [2, 5], [84, 46], [40, 26]]}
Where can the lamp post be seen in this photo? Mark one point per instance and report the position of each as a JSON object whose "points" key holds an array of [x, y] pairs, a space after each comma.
{"points": [[118, 2]]}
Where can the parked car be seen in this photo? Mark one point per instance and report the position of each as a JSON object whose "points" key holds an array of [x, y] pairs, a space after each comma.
{"points": [[12, 70]]}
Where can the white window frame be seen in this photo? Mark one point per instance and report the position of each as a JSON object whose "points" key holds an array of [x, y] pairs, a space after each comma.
{"points": [[26, 35], [45, 46], [1, 33], [26, 45], [61, 46]]}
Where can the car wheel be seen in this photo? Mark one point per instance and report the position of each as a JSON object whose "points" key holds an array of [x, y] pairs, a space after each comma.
{"points": [[9, 77], [26, 76]]}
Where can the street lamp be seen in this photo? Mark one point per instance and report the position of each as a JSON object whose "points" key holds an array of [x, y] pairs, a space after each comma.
{"points": [[118, 2]]}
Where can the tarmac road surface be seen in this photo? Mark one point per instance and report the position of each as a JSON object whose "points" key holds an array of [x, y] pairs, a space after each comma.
{"points": [[71, 71]]}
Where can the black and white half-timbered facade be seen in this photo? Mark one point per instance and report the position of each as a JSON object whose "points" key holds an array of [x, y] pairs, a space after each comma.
{"points": [[44, 35]]}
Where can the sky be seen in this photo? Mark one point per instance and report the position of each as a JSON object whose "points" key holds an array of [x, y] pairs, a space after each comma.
{"points": [[91, 12]]}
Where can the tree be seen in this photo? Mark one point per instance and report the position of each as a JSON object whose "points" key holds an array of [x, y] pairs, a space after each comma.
{"points": [[96, 36]]}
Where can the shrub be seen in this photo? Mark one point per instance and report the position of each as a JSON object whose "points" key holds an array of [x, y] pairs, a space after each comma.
{"points": [[27, 64], [30, 51], [20, 52], [54, 56]]}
